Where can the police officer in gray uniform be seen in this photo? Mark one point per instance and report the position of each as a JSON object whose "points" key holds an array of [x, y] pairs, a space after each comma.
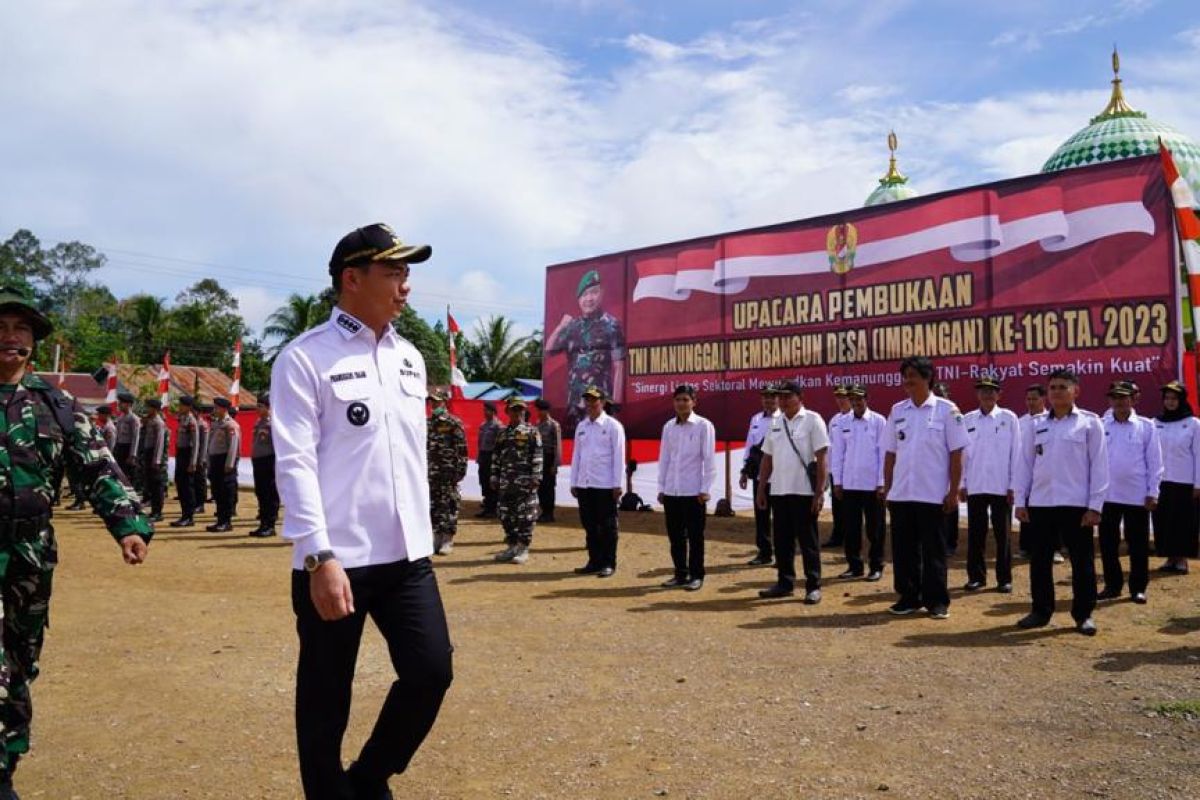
{"points": [[203, 435], [262, 458], [129, 438], [223, 447], [487, 444], [187, 461]]}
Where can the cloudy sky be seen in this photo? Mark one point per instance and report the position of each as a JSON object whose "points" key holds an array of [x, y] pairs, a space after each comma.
{"points": [[241, 139]]}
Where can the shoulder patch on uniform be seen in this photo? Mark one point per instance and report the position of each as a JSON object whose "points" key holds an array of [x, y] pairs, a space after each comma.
{"points": [[348, 323]]}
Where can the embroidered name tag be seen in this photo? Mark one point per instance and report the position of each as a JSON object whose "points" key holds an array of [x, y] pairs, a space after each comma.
{"points": [[347, 376]]}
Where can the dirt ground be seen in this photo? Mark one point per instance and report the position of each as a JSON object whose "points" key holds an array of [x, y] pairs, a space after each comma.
{"points": [[174, 680]]}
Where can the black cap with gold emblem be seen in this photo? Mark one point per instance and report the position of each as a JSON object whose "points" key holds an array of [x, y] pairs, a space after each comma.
{"points": [[375, 242]]}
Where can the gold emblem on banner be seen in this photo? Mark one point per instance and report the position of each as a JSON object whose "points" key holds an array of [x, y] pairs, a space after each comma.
{"points": [[841, 243]]}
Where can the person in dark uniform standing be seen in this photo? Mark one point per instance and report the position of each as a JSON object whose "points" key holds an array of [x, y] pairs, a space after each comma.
{"points": [[349, 428], [224, 444], [1062, 479], [187, 456], [760, 423], [203, 433], [262, 459], [155, 447], [41, 428], [108, 431], [551, 432], [129, 439], [486, 441]]}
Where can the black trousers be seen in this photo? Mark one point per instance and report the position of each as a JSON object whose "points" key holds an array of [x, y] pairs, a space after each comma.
{"points": [[549, 483], [403, 601], [200, 485], [1175, 521], [185, 482], [224, 487], [265, 490], [950, 520], [598, 515], [919, 554], [762, 524], [858, 507], [838, 534], [1136, 521], [686, 517], [128, 463], [155, 488], [794, 522], [1052, 524], [485, 480], [981, 507]]}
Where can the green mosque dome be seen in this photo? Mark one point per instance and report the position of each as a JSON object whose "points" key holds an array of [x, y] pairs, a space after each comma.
{"points": [[1121, 132], [893, 186]]}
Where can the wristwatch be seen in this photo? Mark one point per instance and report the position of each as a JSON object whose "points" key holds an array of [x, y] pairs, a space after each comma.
{"points": [[313, 561]]}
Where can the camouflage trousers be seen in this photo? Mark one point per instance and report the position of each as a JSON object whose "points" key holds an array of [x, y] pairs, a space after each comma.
{"points": [[27, 564], [443, 508], [517, 509]]}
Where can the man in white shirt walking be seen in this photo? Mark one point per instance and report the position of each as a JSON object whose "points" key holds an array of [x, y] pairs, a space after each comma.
{"points": [[989, 469], [685, 477], [794, 467], [349, 431], [760, 423], [925, 439], [856, 452], [597, 468], [1062, 480], [1135, 468]]}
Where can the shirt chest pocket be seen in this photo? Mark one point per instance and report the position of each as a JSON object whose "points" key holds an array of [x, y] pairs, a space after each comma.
{"points": [[354, 406], [1074, 440]]}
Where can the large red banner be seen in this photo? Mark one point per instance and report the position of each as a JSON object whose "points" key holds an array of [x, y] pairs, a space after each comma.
{"points": [[1011, 279]]}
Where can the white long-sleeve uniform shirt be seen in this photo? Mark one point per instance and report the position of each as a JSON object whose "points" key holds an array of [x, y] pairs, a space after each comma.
{"points": [[923, 437], [856, 450], [685, 461], [1180, 441], [760, 423], [1063, 462], [598, 460], [1135, 464], [348, 422], [993, 449]]}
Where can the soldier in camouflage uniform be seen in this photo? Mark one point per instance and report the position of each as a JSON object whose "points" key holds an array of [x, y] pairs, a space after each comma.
{"points": [[516, 474], [595, 347], [156, 444], [446, 446], [39, 428]]}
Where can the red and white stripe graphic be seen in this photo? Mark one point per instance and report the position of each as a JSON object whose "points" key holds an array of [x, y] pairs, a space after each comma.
{"points": [[973, 226], [235, 388], [164, 379], [457, 379], [110, 389]]}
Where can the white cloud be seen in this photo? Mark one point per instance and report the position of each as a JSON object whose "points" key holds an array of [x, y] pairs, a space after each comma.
{"points": [[255, 304]]}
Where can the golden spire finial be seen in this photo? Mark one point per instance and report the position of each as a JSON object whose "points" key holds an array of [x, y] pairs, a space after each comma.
{"points": [[893, 176], [1117, 107]]}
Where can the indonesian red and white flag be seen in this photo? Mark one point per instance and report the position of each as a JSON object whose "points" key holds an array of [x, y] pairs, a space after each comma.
{"points": [[457, 379], [235, 388], [164, 379], [1186, 223], [972, 226], [110, 389]]}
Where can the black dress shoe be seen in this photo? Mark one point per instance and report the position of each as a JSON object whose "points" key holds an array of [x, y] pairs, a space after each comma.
{"points": [[973, 586], [263, 533], [875, 575], [155, 517], [852, 573], [776, 591], [219, 527], [1139, 598], [185, 522], [1087, 627], [759, 561], [78, 505], [606, 572], [1033, 621], [1108, 594], [586, 570]]}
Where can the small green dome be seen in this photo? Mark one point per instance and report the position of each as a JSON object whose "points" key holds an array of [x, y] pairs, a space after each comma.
{"points": [[893, 186], [1120, 132]]}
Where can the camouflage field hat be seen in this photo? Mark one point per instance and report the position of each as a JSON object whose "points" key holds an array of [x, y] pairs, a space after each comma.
{"points": [[593, 392], [375, 242], [590, 278], [437, 395], [1120, 389], [856, 390], [515, 402], [13, 300]]}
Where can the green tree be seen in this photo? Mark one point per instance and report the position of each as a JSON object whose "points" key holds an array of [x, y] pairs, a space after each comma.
{"points": [[298, 314], [145, 322], [256, 368], [22, 261], [494, 353], [432, 347], [203, 326], [67, 267]]}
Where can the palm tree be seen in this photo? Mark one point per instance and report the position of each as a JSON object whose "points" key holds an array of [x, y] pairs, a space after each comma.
{"points": [[292, 319], [497, 353], [147, 318]]}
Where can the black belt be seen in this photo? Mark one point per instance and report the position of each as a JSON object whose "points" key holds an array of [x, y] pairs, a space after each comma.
{"points": [[23, 527]]}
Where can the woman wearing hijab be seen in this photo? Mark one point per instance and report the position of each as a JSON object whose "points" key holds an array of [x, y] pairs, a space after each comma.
{"points": [[1175, 521]]}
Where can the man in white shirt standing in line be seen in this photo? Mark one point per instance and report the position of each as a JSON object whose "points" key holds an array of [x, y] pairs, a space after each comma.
{"points": [[794, 468], [760, 423], [837, 533], [1035, 406], [856, 452], [989, 469], [1062, 480], [349, 431], [597, 469], [1135, 468], [925, 440], [685, 477]]}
